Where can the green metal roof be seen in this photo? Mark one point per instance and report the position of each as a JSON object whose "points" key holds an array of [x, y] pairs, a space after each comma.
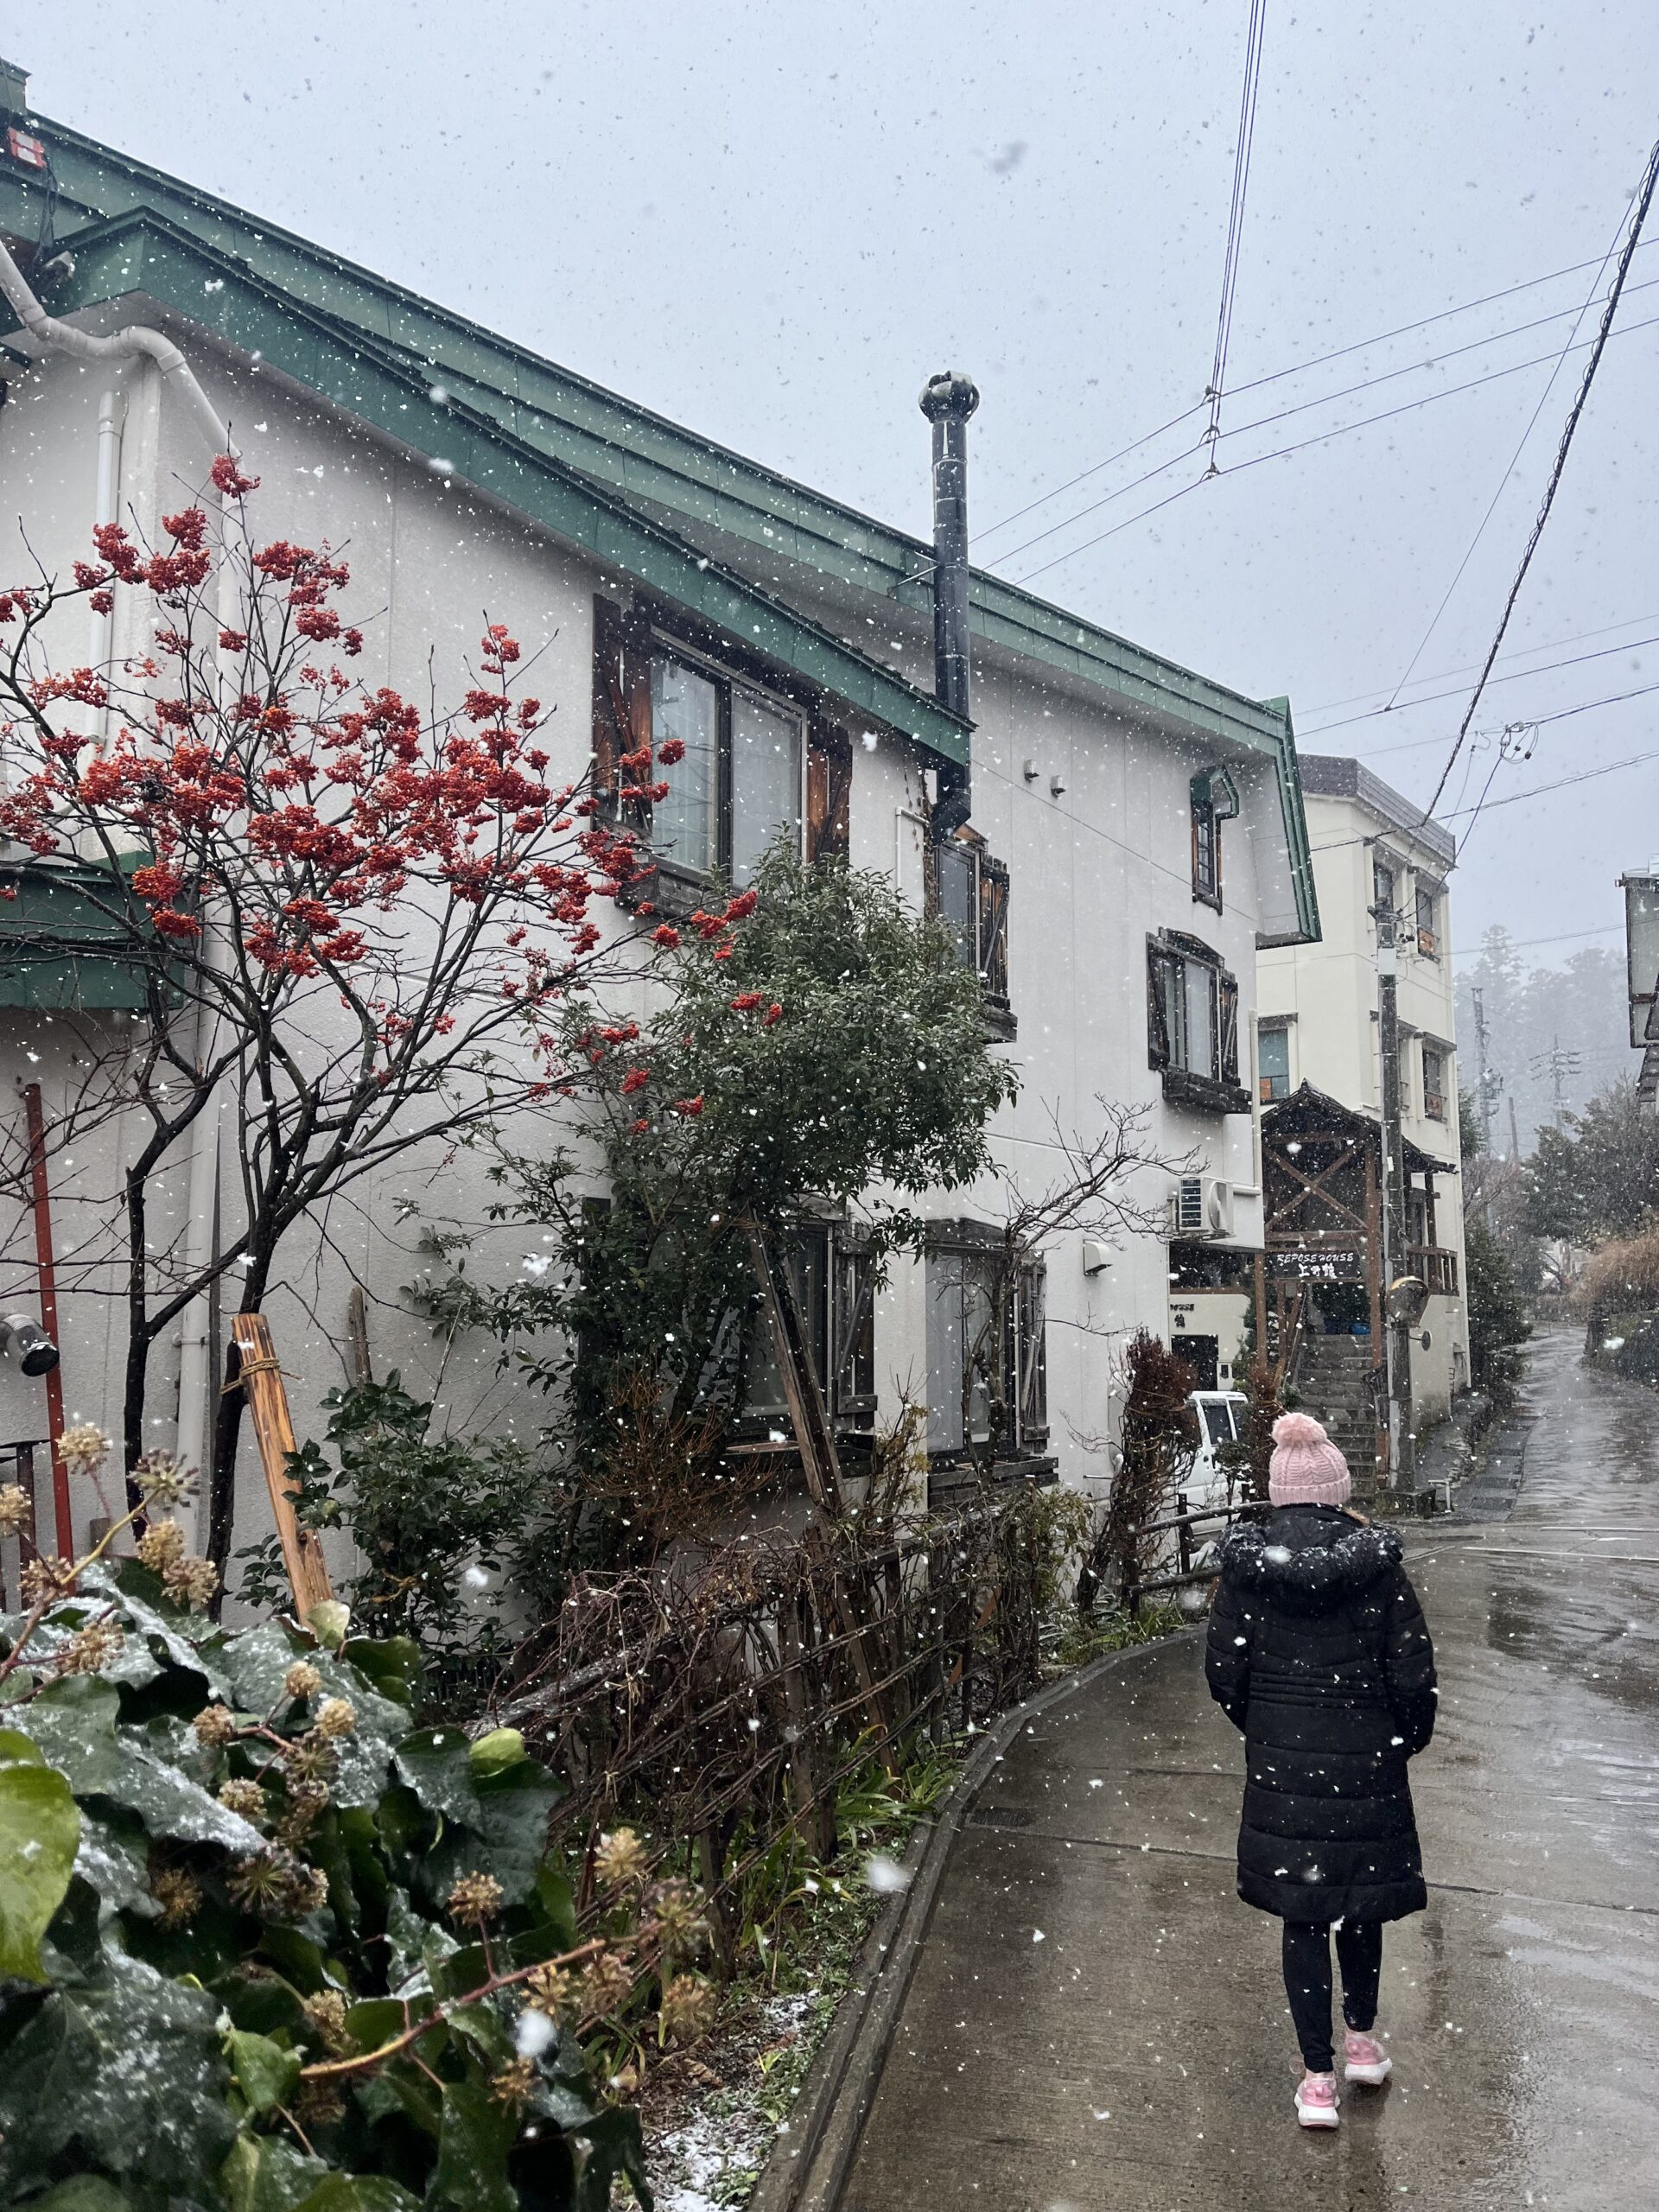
{"points": [[521, 414]]}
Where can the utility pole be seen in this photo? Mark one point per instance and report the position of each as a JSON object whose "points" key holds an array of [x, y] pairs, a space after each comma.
{"points": [[1401, 1455], [1558, 1066]]}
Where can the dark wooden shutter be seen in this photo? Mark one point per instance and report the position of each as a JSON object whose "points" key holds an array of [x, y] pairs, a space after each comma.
{"points": [[621, 702], [828, 791], [1157, 1026], [853, 1289], [994, 926], [1033, 1405], [1227, 1026]]}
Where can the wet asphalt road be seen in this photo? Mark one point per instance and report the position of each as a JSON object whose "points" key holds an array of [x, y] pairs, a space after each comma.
{"points": [[1096, 2022]]}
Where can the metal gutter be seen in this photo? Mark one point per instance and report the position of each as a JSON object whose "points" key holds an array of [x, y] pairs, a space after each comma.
{"points": [[142, 253]]}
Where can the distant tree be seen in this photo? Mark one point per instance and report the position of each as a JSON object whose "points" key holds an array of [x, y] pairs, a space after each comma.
{"points": [[1598, 1175], [1497, 1317]]}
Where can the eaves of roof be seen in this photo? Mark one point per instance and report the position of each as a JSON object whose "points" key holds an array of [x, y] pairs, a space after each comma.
{"points": [[143, 253], [540, 409]]}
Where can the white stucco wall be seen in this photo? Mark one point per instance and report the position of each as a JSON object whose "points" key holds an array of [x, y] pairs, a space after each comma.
{"points": [[1095, 867]]}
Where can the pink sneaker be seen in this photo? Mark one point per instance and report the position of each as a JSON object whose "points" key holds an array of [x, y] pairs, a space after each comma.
{"points": [[1365, 2059], [1316, 2101]]}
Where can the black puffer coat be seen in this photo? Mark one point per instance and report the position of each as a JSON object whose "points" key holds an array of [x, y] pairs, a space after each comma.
{"points": [[1318, 1652]]}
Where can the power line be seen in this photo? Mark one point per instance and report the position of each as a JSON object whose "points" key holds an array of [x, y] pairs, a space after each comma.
{"points": [[1329, 398], [1302, 445], [1560, 936], [1235, 220], [1650, 179], [1515, 675], [1440, 676], [1297, 368]]}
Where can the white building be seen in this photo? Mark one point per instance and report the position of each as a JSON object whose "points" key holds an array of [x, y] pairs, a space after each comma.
{"points": [[1318, 1025], [1136, 832]]}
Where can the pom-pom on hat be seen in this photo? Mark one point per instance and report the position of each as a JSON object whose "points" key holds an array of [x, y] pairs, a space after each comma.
{"points": [[1306, 1468]]}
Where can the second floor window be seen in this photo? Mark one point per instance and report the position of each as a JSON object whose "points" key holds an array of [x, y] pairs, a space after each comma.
{"points": [[1193, 1025], [1383, 890], [1433, 1082], [1428, 936], [967, 891], [1207, 844], [738, 787], [1273, 1062]]}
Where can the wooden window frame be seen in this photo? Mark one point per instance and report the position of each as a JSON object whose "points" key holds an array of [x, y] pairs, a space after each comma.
{"points": [[1021, 1379], [1428, 936], [1435, 1100], [842, 1253], [1217, 1090], [626, 637], [987, 904], [1269, 1097]]}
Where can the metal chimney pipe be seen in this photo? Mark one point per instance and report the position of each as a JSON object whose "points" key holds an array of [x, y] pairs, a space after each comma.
{"points": [[947, 401]]}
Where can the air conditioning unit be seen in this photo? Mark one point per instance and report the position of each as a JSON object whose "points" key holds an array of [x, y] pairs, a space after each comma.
{"points": [[1200, 1208]]}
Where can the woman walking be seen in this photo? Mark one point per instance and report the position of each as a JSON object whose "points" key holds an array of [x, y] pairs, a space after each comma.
{"points": [[1319, 1653]]}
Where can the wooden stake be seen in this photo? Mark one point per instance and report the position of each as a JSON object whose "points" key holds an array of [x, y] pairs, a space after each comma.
{"points": [[261, 1377]]}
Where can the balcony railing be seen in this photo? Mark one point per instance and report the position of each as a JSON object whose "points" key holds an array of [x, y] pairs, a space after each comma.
{"points": [[1437, 1266]]}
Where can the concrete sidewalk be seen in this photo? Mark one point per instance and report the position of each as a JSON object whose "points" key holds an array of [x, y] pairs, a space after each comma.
{"points": [[1096, 2024]]}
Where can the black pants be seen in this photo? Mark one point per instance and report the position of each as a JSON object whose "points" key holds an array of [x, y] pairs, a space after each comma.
{"points": [[1307, 1981]]}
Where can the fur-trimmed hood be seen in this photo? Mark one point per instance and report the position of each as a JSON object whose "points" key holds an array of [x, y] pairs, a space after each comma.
{"points": [[1308, 1559]]}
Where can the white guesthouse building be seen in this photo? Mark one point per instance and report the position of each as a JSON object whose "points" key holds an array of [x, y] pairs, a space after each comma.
{"points": [[1135, 833]]}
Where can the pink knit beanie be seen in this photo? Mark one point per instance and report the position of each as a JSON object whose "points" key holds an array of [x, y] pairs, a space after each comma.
{"points": [[1306, 1468]]}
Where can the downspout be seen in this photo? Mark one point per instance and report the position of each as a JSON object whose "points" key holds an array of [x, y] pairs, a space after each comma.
{"points": [[122, 346], [947, 401], [111, 417]]}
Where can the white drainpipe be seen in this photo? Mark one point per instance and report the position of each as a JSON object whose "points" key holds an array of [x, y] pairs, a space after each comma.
{"points": [[138, 340], [111, 417]]}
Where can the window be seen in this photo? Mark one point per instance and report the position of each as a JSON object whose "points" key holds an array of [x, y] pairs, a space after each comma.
{"points": [[1213, 799], [1192, 1024], [1382, 888], [1428, 937], [1206, 845], [1433, 1082], [738, 787], [751, 766], [986, 1381], [967, 891], [829, 1269], [1273, 1062]]}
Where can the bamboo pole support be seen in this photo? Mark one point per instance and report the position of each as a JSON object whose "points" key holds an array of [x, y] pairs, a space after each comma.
{"points": [[261, 1378]]}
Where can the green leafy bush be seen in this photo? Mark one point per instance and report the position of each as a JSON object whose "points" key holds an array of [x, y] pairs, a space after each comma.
{"points": [[266, 1946], [450, 1529]]}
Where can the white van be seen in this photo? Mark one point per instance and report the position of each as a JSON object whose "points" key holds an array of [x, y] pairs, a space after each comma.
{"points": [[1222, 1419]]}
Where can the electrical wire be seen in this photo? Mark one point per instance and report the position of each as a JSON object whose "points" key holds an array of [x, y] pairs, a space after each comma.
{"points": [[1650, 178], [1316, 361], [1515, 675], [1235, 220], [1471, 668], [1319, 438]]}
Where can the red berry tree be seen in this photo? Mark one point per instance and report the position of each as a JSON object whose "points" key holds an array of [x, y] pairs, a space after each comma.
{"points": [[356, 918]]}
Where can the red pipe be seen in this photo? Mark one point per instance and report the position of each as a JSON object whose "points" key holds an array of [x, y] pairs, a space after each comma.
{"points": [[47, 1272]]}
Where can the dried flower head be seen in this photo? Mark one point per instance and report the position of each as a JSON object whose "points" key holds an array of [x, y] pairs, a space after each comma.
{"points": [[325, 2013], [17, 1510], [551, 1990], [305, 1891], [336, 1716], [307, 1803], [605, 1985], [257, 1883], [214, 1724], [43, 1579], [688, 2007], [301, 1679], [311, 1757], [474, 1899], [516, 2082], [162, 1479], [619, 1859], [98, 1643], [178, 1894], [83, 1447], [161, 1546], [191, 1583], [247, 1798], [677, 1909]]}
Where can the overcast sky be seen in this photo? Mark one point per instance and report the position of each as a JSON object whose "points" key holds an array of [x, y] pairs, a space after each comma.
{"points": [[772, 222]]}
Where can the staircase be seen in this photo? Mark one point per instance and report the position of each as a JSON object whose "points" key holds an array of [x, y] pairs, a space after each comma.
{"points": [[1332, 1379]]}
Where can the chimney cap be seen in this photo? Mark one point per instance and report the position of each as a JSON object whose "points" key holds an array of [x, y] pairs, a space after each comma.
{"points": [[949, 393]]}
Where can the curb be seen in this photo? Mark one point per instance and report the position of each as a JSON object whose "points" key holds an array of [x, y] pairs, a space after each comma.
{"points": [[813, 2151]]}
